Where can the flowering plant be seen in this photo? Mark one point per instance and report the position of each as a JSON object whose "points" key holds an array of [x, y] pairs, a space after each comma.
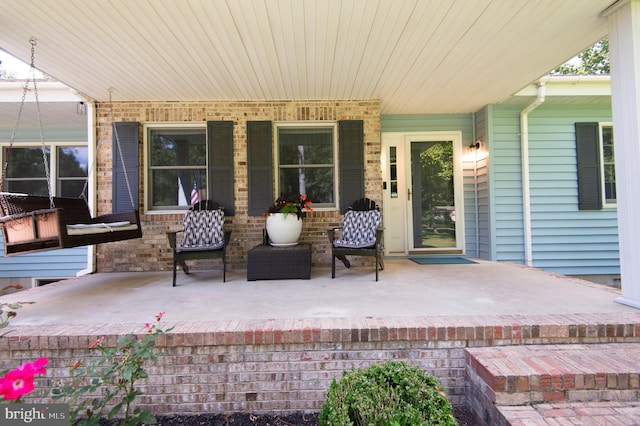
{"points": [[298, 205], [19, 381], [116, 372]]}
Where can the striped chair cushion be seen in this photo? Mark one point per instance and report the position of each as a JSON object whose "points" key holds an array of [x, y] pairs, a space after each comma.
{"points": [[202, 229], [359, 229]]}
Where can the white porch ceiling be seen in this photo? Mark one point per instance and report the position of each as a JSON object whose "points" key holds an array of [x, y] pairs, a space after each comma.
{"points": [[417, 56]]}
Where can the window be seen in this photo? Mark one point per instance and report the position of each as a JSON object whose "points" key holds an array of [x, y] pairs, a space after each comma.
{"points": [[596, 166], [177, 166], [608, 164], [67, 164], [306, 158]]}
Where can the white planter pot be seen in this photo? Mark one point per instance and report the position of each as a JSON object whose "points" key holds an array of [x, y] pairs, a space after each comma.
{"points": [[283, 229]]}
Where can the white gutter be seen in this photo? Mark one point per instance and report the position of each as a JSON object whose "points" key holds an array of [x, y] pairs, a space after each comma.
{"points": [[524, 149]]}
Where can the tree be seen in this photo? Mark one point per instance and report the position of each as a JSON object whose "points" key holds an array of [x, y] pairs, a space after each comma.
{"points": [[593, 61]]}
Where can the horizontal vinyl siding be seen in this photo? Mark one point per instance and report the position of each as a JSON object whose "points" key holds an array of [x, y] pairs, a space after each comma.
{"points": [[55, 263], [506, 184], [564, 239], [439, 123], [483, 241]]}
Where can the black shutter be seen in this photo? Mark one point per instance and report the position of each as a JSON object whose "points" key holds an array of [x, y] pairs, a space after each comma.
{"points": [[351, 157], [126, 133], [220, 178], [259, 166], [588, 156]]}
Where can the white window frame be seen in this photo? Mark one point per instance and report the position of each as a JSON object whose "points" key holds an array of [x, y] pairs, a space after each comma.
{"points": [[601, 126], [53, 159], [276, 160], [147, 127]]}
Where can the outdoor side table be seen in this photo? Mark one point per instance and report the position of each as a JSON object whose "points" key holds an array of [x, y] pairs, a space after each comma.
{"points": [[266, 262]]}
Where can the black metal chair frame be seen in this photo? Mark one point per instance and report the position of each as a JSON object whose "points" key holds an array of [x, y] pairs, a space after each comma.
{"points": [[181, 256], [363, 204]]}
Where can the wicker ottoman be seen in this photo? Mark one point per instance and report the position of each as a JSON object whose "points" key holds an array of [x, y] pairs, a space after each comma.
{"points": [[266, 262]]}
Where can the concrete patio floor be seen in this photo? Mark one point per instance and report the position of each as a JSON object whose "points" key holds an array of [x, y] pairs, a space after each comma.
{"points": [[405, 289]]}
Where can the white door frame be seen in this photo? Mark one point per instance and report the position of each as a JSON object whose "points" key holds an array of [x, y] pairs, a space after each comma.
{"points": [[397, 212]]}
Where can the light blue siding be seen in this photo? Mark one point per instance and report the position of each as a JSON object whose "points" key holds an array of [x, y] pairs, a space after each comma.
{"points": [[564, 239], [56, 263]]}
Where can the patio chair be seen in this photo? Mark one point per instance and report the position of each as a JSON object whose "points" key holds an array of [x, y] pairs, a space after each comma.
{"points": [[203, 237], [359, 235]]}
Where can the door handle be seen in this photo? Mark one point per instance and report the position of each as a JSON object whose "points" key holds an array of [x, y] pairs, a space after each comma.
{"points": [[408, 194]]}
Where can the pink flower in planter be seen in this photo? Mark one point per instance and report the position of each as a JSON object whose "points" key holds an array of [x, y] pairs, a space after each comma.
{"points": [[19, 382], [159, 315]]}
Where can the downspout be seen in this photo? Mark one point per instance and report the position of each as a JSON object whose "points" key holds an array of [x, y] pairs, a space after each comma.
{"points": [[524, 150]]}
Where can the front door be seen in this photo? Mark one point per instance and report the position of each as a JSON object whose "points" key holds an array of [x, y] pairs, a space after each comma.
{"points": [[423, 196]]}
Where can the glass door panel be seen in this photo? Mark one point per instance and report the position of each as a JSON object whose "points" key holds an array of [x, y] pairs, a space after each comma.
{"points": [[432, 196]]}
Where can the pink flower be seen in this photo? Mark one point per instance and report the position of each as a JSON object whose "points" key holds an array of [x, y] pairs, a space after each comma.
{"points": [[35, 367], [19, 382], [149, 328], [15, 384], [159, 315]]}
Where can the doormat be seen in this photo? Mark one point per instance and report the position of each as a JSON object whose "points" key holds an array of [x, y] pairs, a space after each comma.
{"points": [[440, 260]]}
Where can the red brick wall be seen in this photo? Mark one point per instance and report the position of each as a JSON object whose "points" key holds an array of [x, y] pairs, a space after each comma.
{"points": [[152, 252], [285, 365]]}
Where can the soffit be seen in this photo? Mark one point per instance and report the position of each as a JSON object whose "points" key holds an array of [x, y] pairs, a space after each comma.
{"points": [[416, 56]]}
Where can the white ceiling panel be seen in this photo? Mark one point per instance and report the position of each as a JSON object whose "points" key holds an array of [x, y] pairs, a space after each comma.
{"points": [[416, 56]]}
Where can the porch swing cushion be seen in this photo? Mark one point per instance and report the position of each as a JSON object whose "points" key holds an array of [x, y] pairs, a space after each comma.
{"points": [[99, 228], [359, 229]]}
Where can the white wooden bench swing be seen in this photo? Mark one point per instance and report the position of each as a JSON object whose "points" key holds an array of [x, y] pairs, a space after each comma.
{"points": [[34, 223]]}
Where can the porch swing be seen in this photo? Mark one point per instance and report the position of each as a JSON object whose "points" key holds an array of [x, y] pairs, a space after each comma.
{"points": [[35, 223]]}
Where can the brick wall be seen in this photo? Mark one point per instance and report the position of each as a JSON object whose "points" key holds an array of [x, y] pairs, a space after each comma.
{"points": [[152, 252], [287, 365]]}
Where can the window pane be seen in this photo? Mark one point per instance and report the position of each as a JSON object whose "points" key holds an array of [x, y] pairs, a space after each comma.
{"points": [[31, 187], [608, 159], [73, 188], [178, 147], [305, 146], [610, 183], [25, 171], [73, 161], [25, 162], [607, 144], [166, 191], [316, 183]]}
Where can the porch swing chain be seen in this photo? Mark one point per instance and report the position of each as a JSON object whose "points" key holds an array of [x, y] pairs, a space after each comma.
{"points": [[45, 160], [115, 132]]}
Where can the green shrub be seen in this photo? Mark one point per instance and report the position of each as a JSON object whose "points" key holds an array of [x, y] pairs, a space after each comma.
{"points": [[392, 393]]}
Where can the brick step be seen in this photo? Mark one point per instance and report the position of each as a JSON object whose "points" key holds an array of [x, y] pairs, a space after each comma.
{"points": [[567, 413], [517, 375]]}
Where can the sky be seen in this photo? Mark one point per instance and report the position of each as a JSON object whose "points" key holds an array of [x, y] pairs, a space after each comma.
{"points": [[13, 66]]}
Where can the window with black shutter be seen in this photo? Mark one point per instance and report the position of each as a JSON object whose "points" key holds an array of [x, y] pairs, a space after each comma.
{"points": [[305, 163], [589, 152]]}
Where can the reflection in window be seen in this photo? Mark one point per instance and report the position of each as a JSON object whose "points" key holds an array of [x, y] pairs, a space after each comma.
{"points": [[177, 171], [306, 162], [609, 165], [73, 165], [26, 172]]}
